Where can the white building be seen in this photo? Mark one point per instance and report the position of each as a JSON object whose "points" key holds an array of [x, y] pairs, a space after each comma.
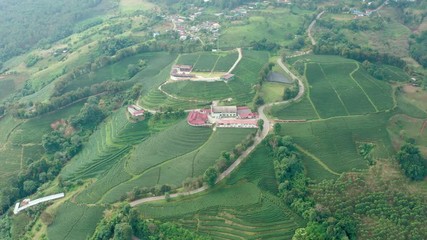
{"points": [[219, 112]]}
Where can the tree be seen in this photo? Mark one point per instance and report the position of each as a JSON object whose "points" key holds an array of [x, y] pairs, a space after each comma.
{"points": [[52, 141], [277, 128], [210, 176], [29, 186], [260, 124], [167, 196], [122, 231], [132, 70], [411, 162]]}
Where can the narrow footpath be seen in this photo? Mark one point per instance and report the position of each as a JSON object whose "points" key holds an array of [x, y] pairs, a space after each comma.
{"points": [[310, 35]]}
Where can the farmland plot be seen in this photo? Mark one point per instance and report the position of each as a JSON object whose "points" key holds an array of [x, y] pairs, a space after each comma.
{"points": [[324, 96], [166, 145], [302, 110], [199, 90], [239, 89], [337, 87], [171, 163], [118, 71], [20, 141], [209, 61], [225, 62], [335, 141], [206, 62], [106, 147], [258, 214], [74, 221]]}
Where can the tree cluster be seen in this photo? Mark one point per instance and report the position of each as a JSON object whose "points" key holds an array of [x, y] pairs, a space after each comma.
{"points": [[265, 71], [25, 110], [124, 222], [291, 93], [418, 48], [226, 159], [264, 45], [60, 145], [355, 197], [110, 46], [294, 190], [31, 60], [412, 163], [143, 192], [27, 24], [336, 44]]}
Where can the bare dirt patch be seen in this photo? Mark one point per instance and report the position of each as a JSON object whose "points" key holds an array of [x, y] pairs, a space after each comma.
{"points": [[63, 126]]}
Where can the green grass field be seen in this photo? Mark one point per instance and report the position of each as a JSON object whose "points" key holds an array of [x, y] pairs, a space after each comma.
{"points": [[273, 91], [402, 127], [244, 207], [74, 221], [7, 87]]}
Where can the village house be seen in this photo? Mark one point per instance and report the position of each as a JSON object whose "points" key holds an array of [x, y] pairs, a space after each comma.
{"points": [[223, 112], [135, 111], [227, 77], [181, 72], [224, 116]]}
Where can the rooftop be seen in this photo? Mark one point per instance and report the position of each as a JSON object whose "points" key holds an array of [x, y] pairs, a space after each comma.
{"points": [[224, 109]]}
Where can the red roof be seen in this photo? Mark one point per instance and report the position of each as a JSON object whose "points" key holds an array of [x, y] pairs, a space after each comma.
{"points": [[238, 121], [135, 111], [197, 118], [243, 108], [248, 115], [227, 76]]}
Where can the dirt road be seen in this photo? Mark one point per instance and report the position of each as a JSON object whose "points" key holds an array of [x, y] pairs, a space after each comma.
{"points": [[313, 42]]}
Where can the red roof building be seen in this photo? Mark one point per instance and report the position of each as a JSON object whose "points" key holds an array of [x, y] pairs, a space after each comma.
{"points": [[198, 118], [237, 123], [227, 77], [135, 111]]}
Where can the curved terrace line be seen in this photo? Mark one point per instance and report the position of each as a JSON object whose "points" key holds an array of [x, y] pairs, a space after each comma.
{"points": [[258, 139]]}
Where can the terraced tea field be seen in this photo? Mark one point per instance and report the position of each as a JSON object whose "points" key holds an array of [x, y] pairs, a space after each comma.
{"points": [[335, 142], [209, 61], [240, 89], [155, 62], [244, 207], [74, 221], [105, 147], [160, 163], [333, 85], [123, 155]]}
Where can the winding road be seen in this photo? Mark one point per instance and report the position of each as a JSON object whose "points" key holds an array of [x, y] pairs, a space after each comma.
{"points": [[258, 139], [310, 27]]}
